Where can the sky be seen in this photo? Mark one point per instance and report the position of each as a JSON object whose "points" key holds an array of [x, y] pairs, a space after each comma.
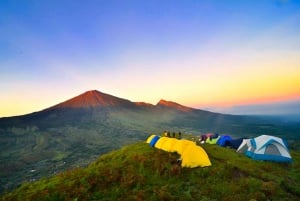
{"points": [[232, 56]]}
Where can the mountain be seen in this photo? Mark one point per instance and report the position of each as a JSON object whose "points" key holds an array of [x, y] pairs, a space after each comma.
{"points": [[141, 172], [94, 99], [89, 106], [75, 132], [173, 105]]}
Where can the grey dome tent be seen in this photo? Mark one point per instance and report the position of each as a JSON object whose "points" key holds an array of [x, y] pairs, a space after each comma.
{"points": [[266, 147]]}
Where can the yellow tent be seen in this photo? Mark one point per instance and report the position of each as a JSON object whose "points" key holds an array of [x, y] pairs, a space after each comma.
{"points": [[160, 143], [169, 144], [181, 145], [191, 154], [194, 156], [150, 138]]}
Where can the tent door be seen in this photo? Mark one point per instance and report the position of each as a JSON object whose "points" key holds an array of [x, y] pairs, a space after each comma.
{"points": [[272, 150]]}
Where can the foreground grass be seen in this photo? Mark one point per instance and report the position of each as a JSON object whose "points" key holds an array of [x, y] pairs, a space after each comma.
{"points": [[140, 172]]}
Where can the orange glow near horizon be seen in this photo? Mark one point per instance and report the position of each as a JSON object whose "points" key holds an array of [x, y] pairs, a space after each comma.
{"points": [[225, 89], [247, 91]]}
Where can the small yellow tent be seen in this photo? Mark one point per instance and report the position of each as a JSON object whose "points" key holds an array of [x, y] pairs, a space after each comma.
{"points": [[194, 156], [150, 138]]}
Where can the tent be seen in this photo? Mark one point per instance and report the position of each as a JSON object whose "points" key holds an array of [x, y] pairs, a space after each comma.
{"points": [[169, 144], [160, 142], [154, 140], [166, 144], [206, 136], [244, 146], [181, 145], [194, 156], [191, 154], [224, 140], [150, 138], [266, 147], [212, 140], [235, 143]]}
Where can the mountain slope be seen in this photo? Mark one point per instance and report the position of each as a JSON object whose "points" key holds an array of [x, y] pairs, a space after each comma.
{"points": [[89, 106], [140, 172]]}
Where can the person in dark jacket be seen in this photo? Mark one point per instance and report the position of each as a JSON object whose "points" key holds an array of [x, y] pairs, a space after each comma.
{"points": [[179, 135]]}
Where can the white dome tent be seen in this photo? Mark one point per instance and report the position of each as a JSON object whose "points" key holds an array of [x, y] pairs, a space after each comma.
{"points": [[266, 147]]}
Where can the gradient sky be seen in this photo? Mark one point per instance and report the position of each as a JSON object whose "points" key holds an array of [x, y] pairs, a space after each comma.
{"points": [[208, 54]]}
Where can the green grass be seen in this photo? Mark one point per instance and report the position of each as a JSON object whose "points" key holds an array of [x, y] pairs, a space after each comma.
{"points": [[140, 172]]}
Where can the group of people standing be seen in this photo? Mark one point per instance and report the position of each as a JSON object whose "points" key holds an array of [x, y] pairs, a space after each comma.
{"points": [[173, 135]]}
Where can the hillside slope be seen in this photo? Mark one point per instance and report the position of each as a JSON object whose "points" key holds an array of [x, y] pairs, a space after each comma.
{"points": [[140, 172]]}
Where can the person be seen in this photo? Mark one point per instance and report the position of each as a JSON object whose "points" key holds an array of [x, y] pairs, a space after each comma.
{"points": [[165, 133], [179, 135], [173, 134], [169, 135]]}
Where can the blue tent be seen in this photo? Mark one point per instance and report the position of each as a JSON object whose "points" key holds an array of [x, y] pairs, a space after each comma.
{"points": [[224, 140], [154, 140], [235, 143]]}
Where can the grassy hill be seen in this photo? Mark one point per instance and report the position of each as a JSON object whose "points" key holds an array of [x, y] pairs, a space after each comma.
{"points": [[140, 172]]}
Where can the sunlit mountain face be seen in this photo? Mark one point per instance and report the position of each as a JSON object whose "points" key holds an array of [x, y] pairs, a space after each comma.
{"points": [[93, 98]]}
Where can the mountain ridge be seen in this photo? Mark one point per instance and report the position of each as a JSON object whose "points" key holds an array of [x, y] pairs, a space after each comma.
{"points": [[97, 99]]}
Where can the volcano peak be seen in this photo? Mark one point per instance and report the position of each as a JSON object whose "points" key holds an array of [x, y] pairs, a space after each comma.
{"points": [[93, 98]]}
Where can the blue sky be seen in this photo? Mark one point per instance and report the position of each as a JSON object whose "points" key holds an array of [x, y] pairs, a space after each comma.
{"points": [[205, 54]]}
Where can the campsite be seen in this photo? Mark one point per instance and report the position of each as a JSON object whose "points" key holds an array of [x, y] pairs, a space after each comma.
{"points": [[154, 174], [264, 147]]}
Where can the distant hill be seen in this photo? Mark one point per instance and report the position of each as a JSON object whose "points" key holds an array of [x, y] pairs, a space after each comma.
{"points": [[169, 104], [75, 132], [140, 172]]}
